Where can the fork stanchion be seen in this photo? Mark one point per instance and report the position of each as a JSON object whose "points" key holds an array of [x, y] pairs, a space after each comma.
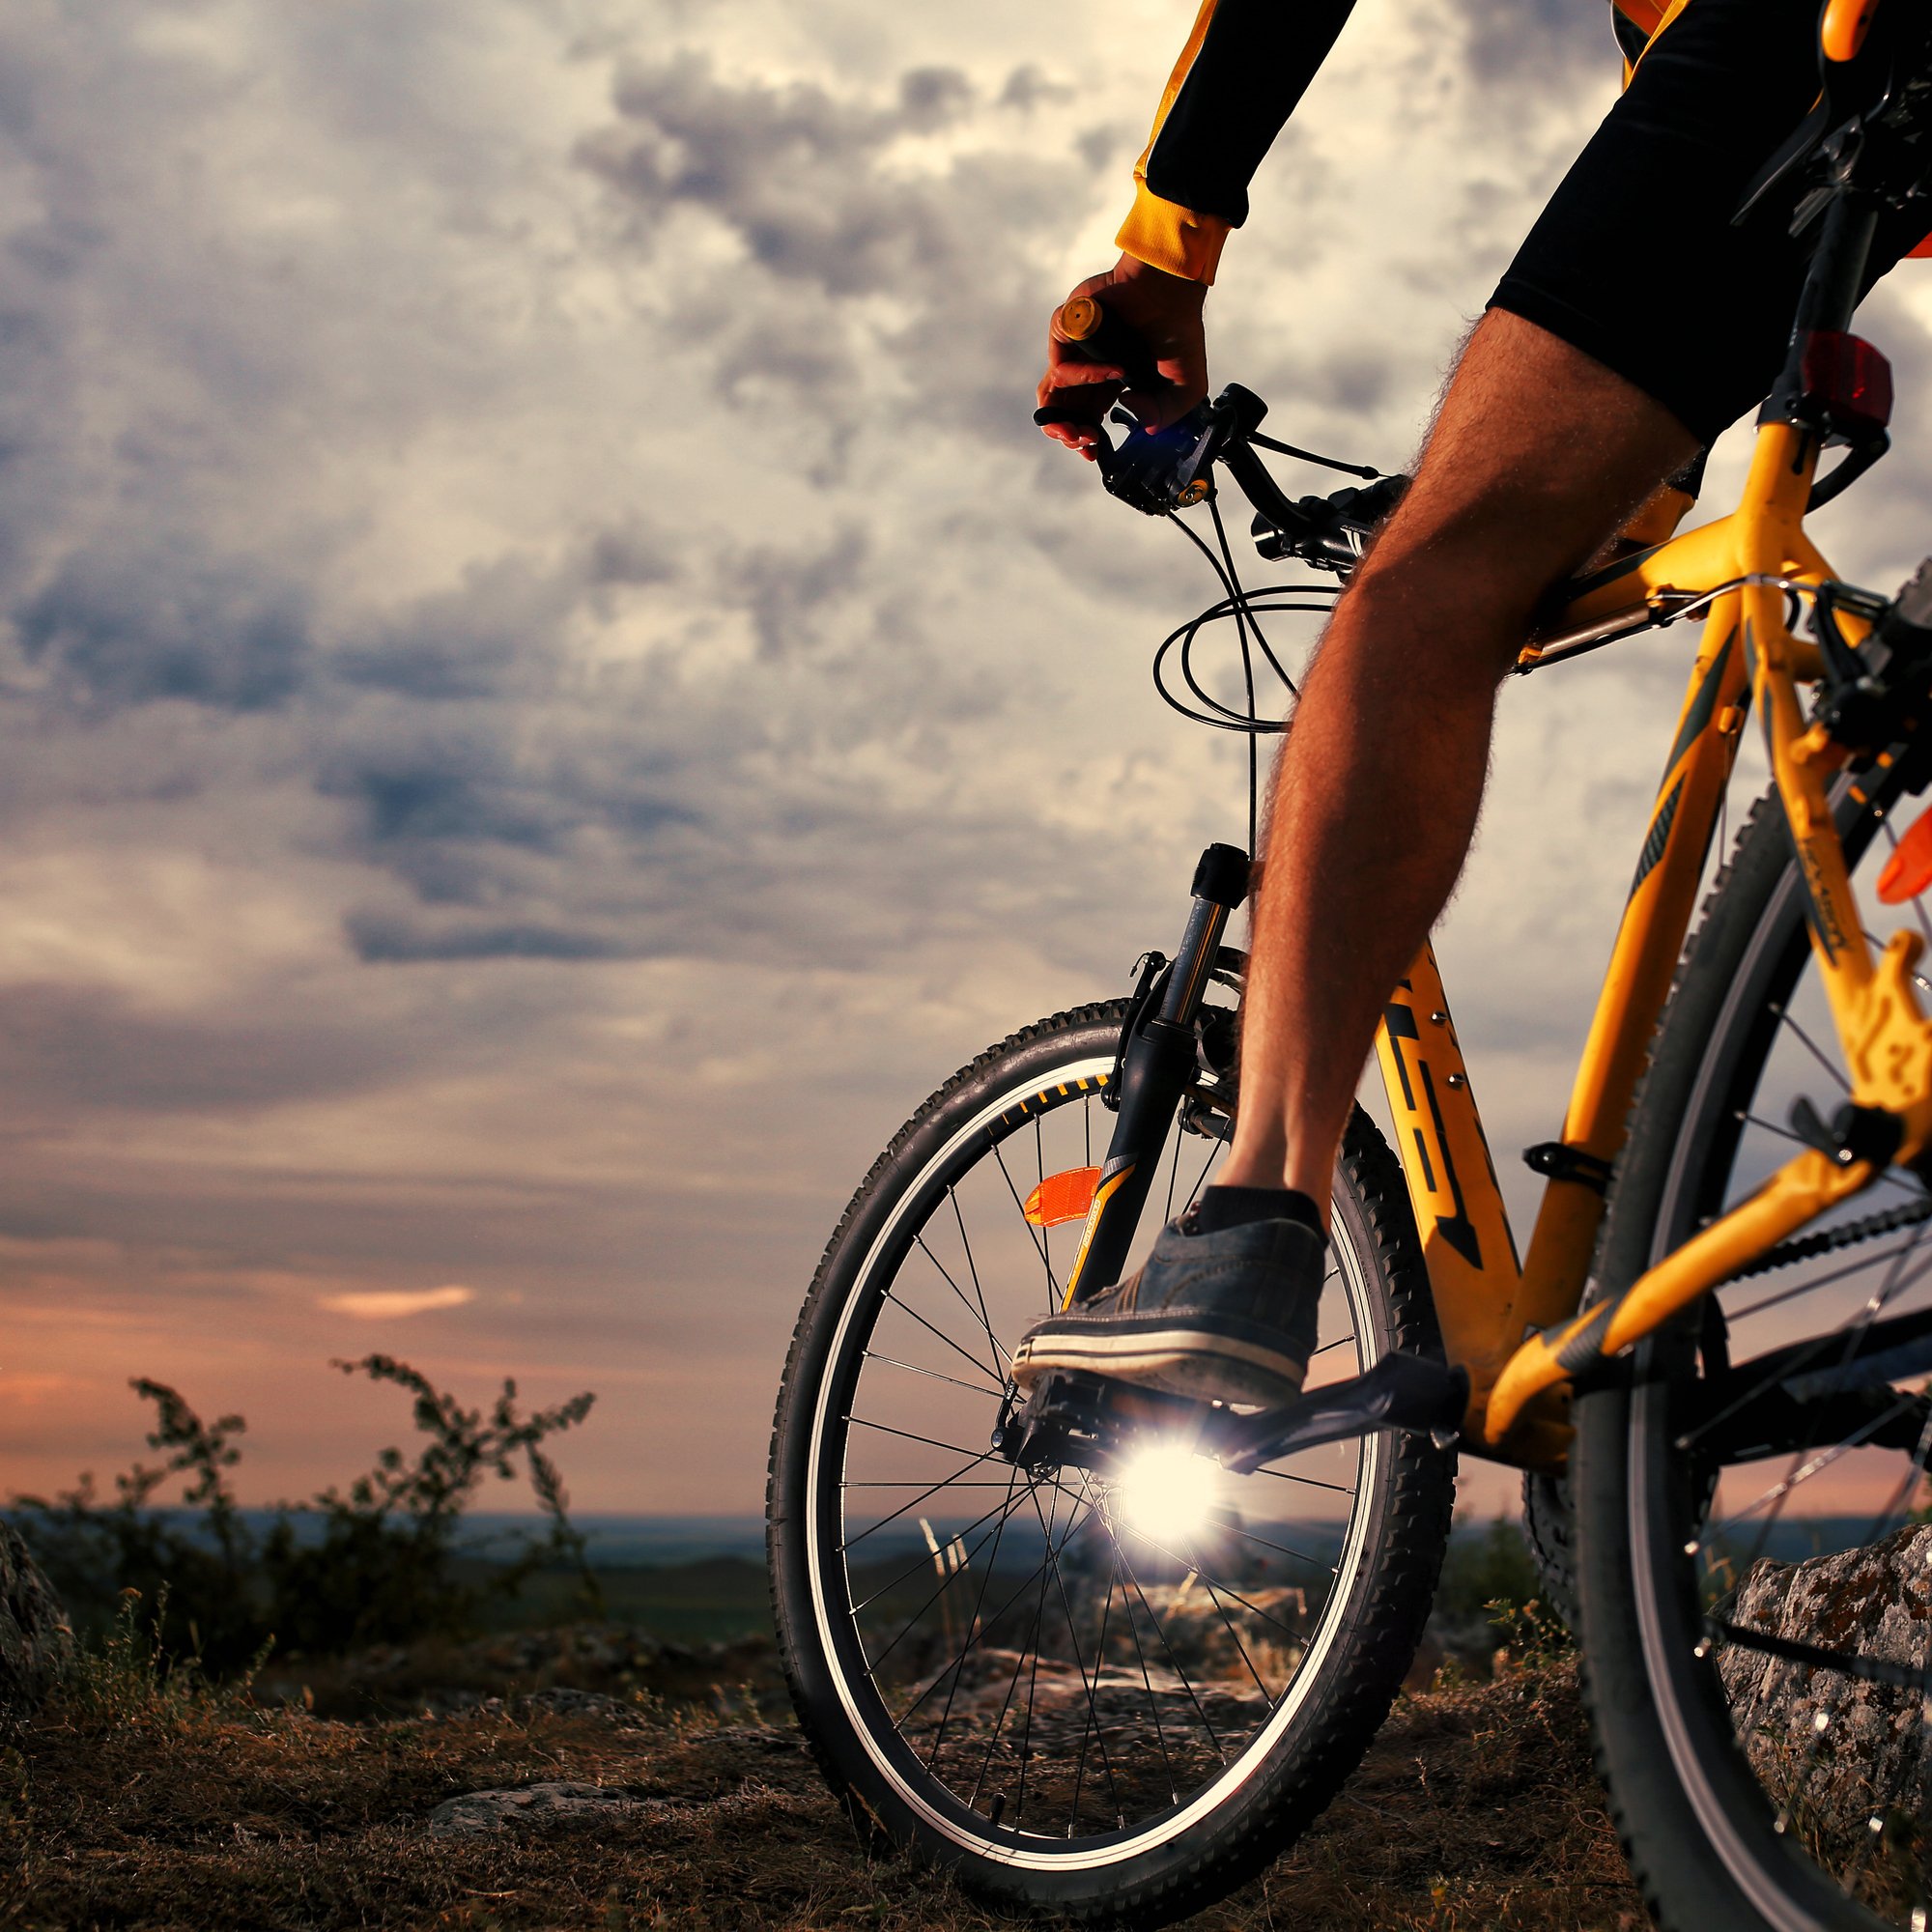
{"points": [[1157, 1064]]}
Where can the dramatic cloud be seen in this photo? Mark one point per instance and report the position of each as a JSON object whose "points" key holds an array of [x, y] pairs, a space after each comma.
{"points": [[550, 692]]}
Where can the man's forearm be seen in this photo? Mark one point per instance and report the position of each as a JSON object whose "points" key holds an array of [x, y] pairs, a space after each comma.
{"points": [[1245, 66]]}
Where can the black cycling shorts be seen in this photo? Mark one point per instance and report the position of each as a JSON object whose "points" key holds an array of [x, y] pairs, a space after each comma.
{"points": [[1636, 261]]}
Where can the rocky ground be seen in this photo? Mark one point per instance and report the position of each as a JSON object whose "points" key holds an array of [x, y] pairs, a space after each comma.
{"points": [[123, 1805]]}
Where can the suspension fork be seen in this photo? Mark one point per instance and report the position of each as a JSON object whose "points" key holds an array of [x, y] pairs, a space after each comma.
{"points": [[1157, 1063]]}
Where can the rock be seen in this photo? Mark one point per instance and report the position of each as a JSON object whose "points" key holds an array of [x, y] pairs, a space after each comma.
{"points": [[477, 1812], [35, 1642], [1835, 1749]]}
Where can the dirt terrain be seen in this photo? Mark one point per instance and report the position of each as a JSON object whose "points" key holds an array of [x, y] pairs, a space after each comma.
{"points": [[1476, 1811]]}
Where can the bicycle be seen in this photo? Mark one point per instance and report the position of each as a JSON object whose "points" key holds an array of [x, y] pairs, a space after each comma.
{"points": [[1104, 1652]]}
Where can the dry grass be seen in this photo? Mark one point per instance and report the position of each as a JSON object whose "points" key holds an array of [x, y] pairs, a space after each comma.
{"points": [[1477, 1811]]}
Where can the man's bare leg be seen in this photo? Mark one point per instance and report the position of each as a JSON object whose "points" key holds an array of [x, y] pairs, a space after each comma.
{"points": [[1538, 456]]}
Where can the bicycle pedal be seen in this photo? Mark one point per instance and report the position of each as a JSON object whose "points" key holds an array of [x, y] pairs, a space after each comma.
{"points": [[1071, 1418], [1415, 1393]]}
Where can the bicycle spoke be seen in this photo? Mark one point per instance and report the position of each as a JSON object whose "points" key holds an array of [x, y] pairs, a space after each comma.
{"points": [[966, 1355], [1033, 1679], [1849, 1667], [1024, 1587], [1194, 1192], [1281, 1548], [1032, 1697], [1172, 1659], [992, 1743], [931, 1441], [913, 1368], [1831, 1280], [1791, 1139], [1034, 1233], [1005, 1705], [921, 1563], [1091, 1727], [1311, 1482], [1254, 1610], [945, 1482], [946, 1274], [1146, 1680], [1851, 1333], [1789, 1363], [1200, 1576], [1811, 1046], [1093, 1734], [973, 1274], [972, 1627]]}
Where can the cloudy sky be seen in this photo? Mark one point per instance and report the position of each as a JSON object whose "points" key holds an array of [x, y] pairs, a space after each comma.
{"points": [[549, 691]]}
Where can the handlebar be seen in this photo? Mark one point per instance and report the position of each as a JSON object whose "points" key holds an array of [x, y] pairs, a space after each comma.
{"points": [[1173, 468]]}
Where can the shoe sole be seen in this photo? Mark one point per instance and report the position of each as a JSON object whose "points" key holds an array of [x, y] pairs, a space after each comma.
{"points": [[1192, 1362]]}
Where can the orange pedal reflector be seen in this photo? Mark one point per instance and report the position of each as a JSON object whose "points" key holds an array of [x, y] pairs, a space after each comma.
{"points": [[1908, 871], [1066, 1196]]}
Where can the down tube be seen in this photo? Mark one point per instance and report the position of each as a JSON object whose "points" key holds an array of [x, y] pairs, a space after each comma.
{"points": [[1459, 1207]]}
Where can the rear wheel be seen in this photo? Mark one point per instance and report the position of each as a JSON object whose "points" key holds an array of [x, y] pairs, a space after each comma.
{"points": [[1755, 1563], [1097, 1697]]}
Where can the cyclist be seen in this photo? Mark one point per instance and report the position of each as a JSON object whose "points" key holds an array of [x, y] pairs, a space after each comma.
{"points": [[1636, 324]]}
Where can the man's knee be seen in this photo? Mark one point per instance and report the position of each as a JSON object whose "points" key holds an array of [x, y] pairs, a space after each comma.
{"points": [[1476, 551], [1538, 457]]}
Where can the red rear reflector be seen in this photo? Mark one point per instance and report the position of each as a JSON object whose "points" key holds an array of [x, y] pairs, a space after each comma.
{"points": [[1850, 378], [1066, 1196], [1908, 871]]}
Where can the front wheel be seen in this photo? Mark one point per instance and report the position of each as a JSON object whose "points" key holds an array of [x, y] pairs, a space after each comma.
{"points": [[1755, 1558], [1102, 1697]]}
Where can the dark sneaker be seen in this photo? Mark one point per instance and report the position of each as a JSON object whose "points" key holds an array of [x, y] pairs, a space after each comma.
{"points": [[1227, 1317]]}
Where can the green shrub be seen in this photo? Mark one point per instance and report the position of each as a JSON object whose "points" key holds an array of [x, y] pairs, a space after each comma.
{"points": [[1488, 1576], [378, 1562], [1487, 1571]]}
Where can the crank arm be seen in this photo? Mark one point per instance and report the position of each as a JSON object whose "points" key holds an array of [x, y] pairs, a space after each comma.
{"points": [[1416, 1393], [1821, 1391], [1777, 1423]]}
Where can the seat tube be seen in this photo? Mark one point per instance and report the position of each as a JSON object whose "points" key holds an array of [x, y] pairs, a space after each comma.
{"points": [[1156, 1068]]}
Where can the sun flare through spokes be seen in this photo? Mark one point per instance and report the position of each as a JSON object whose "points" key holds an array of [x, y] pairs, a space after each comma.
{"points": [[1169, 1493]]}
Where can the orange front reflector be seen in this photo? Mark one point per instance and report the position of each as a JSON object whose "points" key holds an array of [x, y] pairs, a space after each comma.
{"points": [[1843, 31], [1908, 871], [1066, 1196]]}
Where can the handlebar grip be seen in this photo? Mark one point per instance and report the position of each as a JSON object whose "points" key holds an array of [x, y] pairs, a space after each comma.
{"points": [[1080, 324]]}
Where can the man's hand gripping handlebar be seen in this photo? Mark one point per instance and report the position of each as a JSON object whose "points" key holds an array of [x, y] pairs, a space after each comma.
{"points": [[1144, 348], [1165, 461]]}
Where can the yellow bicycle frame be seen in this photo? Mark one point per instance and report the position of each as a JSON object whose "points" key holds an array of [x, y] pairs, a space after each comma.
{"points": [[1486, 1301]]}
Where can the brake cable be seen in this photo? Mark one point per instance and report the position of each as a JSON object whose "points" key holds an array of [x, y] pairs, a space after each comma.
{"points": [[1367, 469]]}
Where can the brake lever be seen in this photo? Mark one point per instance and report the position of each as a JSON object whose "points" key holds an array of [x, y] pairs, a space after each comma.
{"points": [[1170, 470]]}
